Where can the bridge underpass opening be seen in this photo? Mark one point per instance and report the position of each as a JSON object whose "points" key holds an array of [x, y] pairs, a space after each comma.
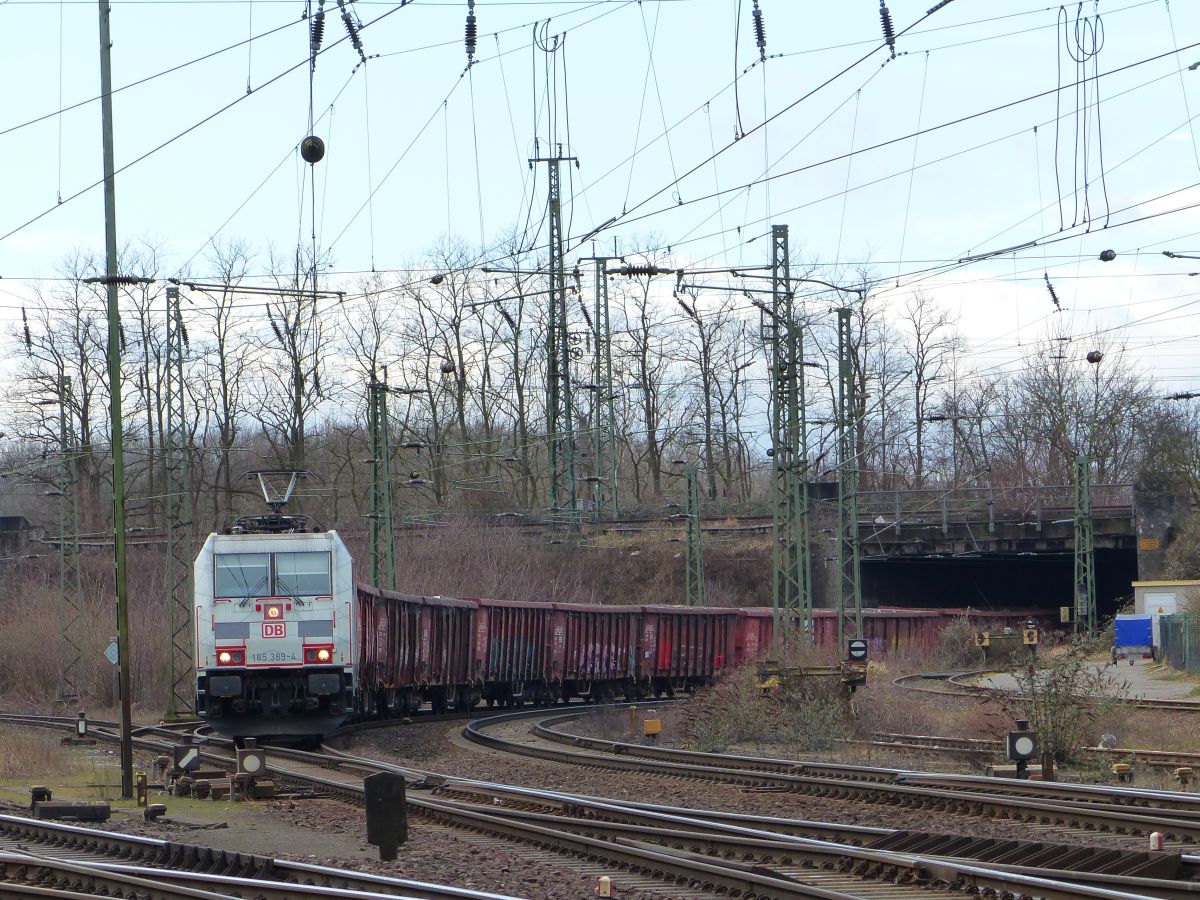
{"points": [[995, 581]]}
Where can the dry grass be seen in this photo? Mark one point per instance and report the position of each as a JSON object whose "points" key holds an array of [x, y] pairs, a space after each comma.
{"points": [[26, 753], [806, 716]]}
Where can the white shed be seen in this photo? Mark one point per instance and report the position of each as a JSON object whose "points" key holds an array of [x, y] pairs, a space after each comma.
{"points": [[1163, 597]]}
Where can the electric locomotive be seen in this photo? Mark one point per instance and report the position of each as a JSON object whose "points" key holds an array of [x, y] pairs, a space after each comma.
{"points": [[274, 629]]}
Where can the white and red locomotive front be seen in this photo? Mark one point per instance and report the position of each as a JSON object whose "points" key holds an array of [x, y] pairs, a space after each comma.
{"points": [[274, 625]]}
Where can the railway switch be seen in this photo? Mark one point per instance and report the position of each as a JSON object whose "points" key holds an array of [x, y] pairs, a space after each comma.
{"points": [[39, 793]]}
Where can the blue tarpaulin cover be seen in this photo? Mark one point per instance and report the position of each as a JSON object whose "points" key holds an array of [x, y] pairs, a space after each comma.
{"points": [[1133, 631]]}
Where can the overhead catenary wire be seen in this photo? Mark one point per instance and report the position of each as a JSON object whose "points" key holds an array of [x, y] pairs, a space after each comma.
{"points": [[912, 173], [186, 131]]}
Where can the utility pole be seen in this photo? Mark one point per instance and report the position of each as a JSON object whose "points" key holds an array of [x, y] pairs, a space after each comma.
{"points": [[69, 579], [694, 550], [791, 584], [560, 412], [604, 414], [180, 537], [111, 280], [849, 583], [1085, 550], [383, 538]]}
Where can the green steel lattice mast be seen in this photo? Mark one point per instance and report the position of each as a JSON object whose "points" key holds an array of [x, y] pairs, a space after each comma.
{"points": [[791, 584], [560, 413], [383, 538], [69, 581], [1085, 549], [178, 509], [695, 551], [849, 578]]}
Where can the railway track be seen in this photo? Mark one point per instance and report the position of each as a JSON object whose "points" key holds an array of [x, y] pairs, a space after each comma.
{"points": [[957, 685], [1041, 804], [700, 855], [729, 852], [40, 854]]}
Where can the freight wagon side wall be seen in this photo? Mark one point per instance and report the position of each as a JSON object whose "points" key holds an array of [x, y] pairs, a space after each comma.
{"points": [[601, 643], [519, 641], [692, 643], [887, 630]]}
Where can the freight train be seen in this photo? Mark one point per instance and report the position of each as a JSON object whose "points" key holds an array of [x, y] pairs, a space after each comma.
{"points": [[286, 643]]}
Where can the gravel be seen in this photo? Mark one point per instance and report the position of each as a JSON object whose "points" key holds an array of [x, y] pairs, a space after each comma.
{"points": [[441, 748]]}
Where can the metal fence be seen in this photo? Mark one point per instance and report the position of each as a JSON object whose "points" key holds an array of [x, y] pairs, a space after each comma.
{"points": [[1180, 641], [1028, 504]]}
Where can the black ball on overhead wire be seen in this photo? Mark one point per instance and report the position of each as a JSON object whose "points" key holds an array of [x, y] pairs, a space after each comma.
{"points": [[312, 149]]}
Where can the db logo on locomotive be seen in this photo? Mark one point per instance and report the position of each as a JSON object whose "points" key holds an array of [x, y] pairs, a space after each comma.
{"points": [[274, 629]]}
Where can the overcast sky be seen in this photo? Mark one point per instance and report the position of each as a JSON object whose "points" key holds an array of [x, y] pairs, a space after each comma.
{"points": [[663, 102]]}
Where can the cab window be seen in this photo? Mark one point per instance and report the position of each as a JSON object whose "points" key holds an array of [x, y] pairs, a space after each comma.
{"points": [[242, 574], [302, 574]]}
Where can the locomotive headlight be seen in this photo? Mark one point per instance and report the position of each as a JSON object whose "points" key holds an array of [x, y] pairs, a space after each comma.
{"points": [[322, 655], [224, 657], [274, 611]]}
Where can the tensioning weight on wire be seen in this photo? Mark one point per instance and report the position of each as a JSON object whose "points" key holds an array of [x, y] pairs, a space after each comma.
{"points": [[312, 149]]}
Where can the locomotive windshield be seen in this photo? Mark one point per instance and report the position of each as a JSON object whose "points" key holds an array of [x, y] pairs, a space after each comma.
{"points": [[242, 574], [303, 574]]}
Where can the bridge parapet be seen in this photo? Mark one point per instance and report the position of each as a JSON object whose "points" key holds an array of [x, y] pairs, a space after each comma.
{"points": [[1034, 505]]}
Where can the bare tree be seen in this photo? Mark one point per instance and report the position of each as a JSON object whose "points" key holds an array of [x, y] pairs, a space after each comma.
{"points": [[294, 353], [930, 341], [647, 360], [224, 355]]}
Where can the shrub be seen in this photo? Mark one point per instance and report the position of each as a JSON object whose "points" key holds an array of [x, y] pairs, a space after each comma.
{"points": [[956, 645], [1063, 696], [806, 715]]}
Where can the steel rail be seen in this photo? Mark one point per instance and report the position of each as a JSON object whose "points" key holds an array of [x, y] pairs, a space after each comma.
{"points": [[651, 860], [1005, 797]]}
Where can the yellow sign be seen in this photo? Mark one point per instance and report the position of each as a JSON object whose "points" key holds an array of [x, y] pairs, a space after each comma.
{"points": [[1064, 614], [1031, 636], [1149, 544], [983, 639]]}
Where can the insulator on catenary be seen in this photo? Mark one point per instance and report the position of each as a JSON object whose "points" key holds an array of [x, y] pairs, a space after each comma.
{"points": [[889, 32], [316, 32], [1053, 294], [351, 28], [634, 271], [25, 325], [472, 31], [760, 32]]}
